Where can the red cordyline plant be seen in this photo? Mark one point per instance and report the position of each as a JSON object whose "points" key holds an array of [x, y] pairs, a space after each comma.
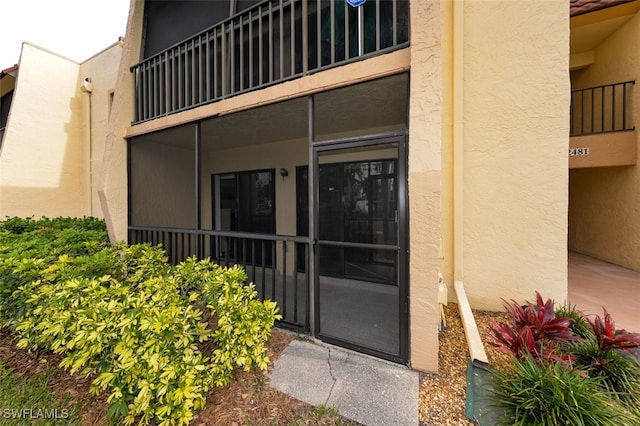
{"points": [[535, 330], [608, 337]]}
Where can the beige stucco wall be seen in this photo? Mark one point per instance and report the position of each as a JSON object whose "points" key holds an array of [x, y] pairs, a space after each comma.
{"points": [[515, 115], [425, 167], [54, 139], [112, 182], [101, 69], [605, 202], [41, 169]]}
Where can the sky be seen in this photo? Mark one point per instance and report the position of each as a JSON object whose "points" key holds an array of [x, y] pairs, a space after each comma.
{"points": [[76, 29]]}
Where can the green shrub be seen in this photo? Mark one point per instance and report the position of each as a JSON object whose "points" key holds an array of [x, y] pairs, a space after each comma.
{"points": [[579, 324], [128, 319], [547, 393], [543, 342], [49, 238]]}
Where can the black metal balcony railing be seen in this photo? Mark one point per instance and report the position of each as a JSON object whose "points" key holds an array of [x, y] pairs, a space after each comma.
{"points": [[274, 41], [602, 109], [264, 258]]}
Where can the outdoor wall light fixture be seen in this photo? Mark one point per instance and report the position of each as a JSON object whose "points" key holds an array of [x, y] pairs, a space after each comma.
{"points": [[284, 172]]}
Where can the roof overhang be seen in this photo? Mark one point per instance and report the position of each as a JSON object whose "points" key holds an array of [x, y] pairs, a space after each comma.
{"points": [[12, 71], [590, 29]]}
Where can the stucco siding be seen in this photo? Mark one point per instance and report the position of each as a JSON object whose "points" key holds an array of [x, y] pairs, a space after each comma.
{"points": [[41, 163], [102, 70], [516, 103], [605, 202], [425, 111]]}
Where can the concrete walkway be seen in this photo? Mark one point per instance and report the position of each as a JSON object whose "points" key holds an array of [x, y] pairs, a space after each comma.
{"points": [[594, 284], [361, 388]]}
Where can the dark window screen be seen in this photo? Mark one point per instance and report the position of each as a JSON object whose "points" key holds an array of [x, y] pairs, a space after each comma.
{"points": [[170, 22]]}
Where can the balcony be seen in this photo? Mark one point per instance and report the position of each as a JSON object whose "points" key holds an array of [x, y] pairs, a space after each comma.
{"points": [[275, 41], [602, 129]]}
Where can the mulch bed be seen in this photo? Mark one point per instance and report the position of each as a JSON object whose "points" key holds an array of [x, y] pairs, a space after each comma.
{"points": [[248, 400]]}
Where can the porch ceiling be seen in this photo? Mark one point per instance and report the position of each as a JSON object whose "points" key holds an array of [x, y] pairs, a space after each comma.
{"points": [[371, 105]]}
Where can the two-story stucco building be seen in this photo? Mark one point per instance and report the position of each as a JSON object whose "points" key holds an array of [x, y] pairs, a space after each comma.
{"points": [[53, 127], [348, 155]]}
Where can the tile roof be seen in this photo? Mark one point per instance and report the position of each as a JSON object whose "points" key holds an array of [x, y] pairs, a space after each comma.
{"points": [[579, 7]]}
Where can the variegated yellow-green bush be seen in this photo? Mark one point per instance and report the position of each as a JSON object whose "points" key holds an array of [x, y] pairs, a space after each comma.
{"points": [[137, 329]]}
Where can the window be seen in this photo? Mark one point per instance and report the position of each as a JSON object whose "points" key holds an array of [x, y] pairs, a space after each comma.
{"points": [[245, 202]]}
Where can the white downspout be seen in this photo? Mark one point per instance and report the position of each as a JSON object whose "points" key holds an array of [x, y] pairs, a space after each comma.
{"points": [[476, 348], [87, 88]]}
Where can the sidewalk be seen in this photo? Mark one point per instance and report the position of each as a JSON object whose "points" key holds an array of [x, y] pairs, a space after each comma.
{"points": [[594, 284], [361, 388]]}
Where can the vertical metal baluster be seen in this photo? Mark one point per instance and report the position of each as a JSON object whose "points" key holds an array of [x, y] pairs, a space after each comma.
{"points": [[284, 279], [260, 47], [377, 25], [137, 91], [613, 108], [361, 30], [319, 33], [193, 73], [593, 111], [395, 22], [179, 82], [333, 31], [174, 80], [582, 113], [208, 68], [281, 50], [232, 61], [143, 89], [223, 60], [253, 264], [250, 49], [603, 111], [186, 76], [270, 43], [273, 269], [347, 49], [295, 282], [152, 87], [147, 82], [215, 64], [235, 250], [624, 106], [244, 254], [200, 85], [157, 105], [241, 54], [262, 261], [305, 37], [167, 83], [292, 19], [149, 95]]}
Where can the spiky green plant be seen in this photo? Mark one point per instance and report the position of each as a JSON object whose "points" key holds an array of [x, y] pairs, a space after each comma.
{"points": [[579, 324], [542, 393]]}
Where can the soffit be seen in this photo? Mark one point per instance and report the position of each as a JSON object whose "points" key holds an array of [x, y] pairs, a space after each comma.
{"points": [[588, 30], [375, 104]]}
